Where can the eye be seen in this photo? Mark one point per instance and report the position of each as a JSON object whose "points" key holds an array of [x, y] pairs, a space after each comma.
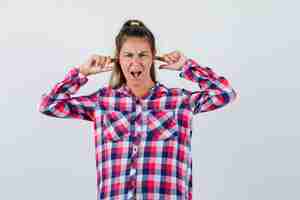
{"points": [[128, 55]]}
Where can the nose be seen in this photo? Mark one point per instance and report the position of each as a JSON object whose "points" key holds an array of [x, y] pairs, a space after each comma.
{"points": [[136, 60]]}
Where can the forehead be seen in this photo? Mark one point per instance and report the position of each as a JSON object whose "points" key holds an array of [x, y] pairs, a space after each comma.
{"points": [[133, 44]]}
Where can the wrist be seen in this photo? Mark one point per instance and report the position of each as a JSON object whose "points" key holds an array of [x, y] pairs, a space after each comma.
{"points": [[82, 72]]}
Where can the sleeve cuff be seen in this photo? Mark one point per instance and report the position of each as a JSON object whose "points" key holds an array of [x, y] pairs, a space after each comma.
{"points": [[74, 74], [186, 66]]}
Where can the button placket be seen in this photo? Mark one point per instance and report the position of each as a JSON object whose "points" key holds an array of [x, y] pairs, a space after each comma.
{"points": [[132, 184], [138, 112], [135, 149], [133, 166]]}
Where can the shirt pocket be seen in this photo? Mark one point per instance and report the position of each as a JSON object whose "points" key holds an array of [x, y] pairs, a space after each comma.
{"points": [[115, 125], [162, 125]]}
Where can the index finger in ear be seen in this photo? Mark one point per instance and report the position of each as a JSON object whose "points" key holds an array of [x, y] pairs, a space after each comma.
{"points": [[108, 61], [160, 58]]}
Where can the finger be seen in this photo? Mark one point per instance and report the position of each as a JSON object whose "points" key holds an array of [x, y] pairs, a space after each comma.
{"points": [[102, 62], [166, 58], [107, 60], [107, 65], [170, 59], [159, 58], [97, 60], [91, 61], [107, 68], [174, 56], [177, 55], [166, 66], [110, 61]]}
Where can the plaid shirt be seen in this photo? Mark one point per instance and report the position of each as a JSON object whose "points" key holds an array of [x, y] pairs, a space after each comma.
{"points": [[142, 144]]}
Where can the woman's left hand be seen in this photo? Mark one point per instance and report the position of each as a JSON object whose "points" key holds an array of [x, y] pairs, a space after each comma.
{"points": [[174, 60]]}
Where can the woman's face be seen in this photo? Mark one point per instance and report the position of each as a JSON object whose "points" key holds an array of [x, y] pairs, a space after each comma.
{"points": [[136, 59]]}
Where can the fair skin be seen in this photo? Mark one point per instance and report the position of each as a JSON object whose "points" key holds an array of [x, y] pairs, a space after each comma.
{"points": [[135, 59]]}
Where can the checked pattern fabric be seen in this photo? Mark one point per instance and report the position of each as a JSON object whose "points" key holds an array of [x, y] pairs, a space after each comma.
{"points": [[142, 144]]}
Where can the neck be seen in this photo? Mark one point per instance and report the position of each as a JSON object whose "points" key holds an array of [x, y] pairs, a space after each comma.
{"points": [[140, 89]]}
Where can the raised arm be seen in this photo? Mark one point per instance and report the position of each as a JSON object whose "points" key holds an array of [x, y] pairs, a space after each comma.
{"points": [[214, 91], [60, 103]]}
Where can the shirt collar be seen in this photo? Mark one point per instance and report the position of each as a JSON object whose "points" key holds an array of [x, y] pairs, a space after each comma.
{"points": [[157, 88]]}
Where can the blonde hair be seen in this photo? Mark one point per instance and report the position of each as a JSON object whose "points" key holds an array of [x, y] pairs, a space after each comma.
{"points": [[131, 28]]}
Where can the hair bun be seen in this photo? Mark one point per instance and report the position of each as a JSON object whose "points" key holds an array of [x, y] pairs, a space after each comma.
{"points": [[133, 23]]}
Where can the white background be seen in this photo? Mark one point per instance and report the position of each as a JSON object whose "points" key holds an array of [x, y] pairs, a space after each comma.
{"points": [[247, 150]]}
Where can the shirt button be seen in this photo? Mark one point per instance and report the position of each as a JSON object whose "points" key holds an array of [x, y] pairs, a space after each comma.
{"points": [[132, 195], [135, 149], [132, 172]]}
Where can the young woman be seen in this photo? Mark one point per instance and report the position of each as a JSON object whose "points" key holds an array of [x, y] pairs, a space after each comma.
{"points": [[142, 129]]}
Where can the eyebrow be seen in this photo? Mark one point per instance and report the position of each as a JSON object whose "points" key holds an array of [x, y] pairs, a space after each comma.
{"points": [[139, 52]]}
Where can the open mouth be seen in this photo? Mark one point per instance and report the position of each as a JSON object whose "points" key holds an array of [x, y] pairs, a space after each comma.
{"points": [[136, 74]]}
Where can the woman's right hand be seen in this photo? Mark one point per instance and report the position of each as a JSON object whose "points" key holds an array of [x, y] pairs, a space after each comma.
{"points": [[96, 64]]}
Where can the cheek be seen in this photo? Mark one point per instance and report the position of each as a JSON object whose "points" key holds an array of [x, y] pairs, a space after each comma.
{"points": [[124, 70], [124, 63], [149, 64]]}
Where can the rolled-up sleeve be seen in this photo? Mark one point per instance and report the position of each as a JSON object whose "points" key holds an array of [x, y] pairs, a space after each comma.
{"points": [[59, 101], [214, 91]]}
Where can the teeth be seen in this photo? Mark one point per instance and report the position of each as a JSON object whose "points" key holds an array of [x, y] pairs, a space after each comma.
{"points": [[136, 74]]}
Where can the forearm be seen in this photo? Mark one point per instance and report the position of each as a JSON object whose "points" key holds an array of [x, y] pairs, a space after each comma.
{"points": [[215, 90], [59, 103]]}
